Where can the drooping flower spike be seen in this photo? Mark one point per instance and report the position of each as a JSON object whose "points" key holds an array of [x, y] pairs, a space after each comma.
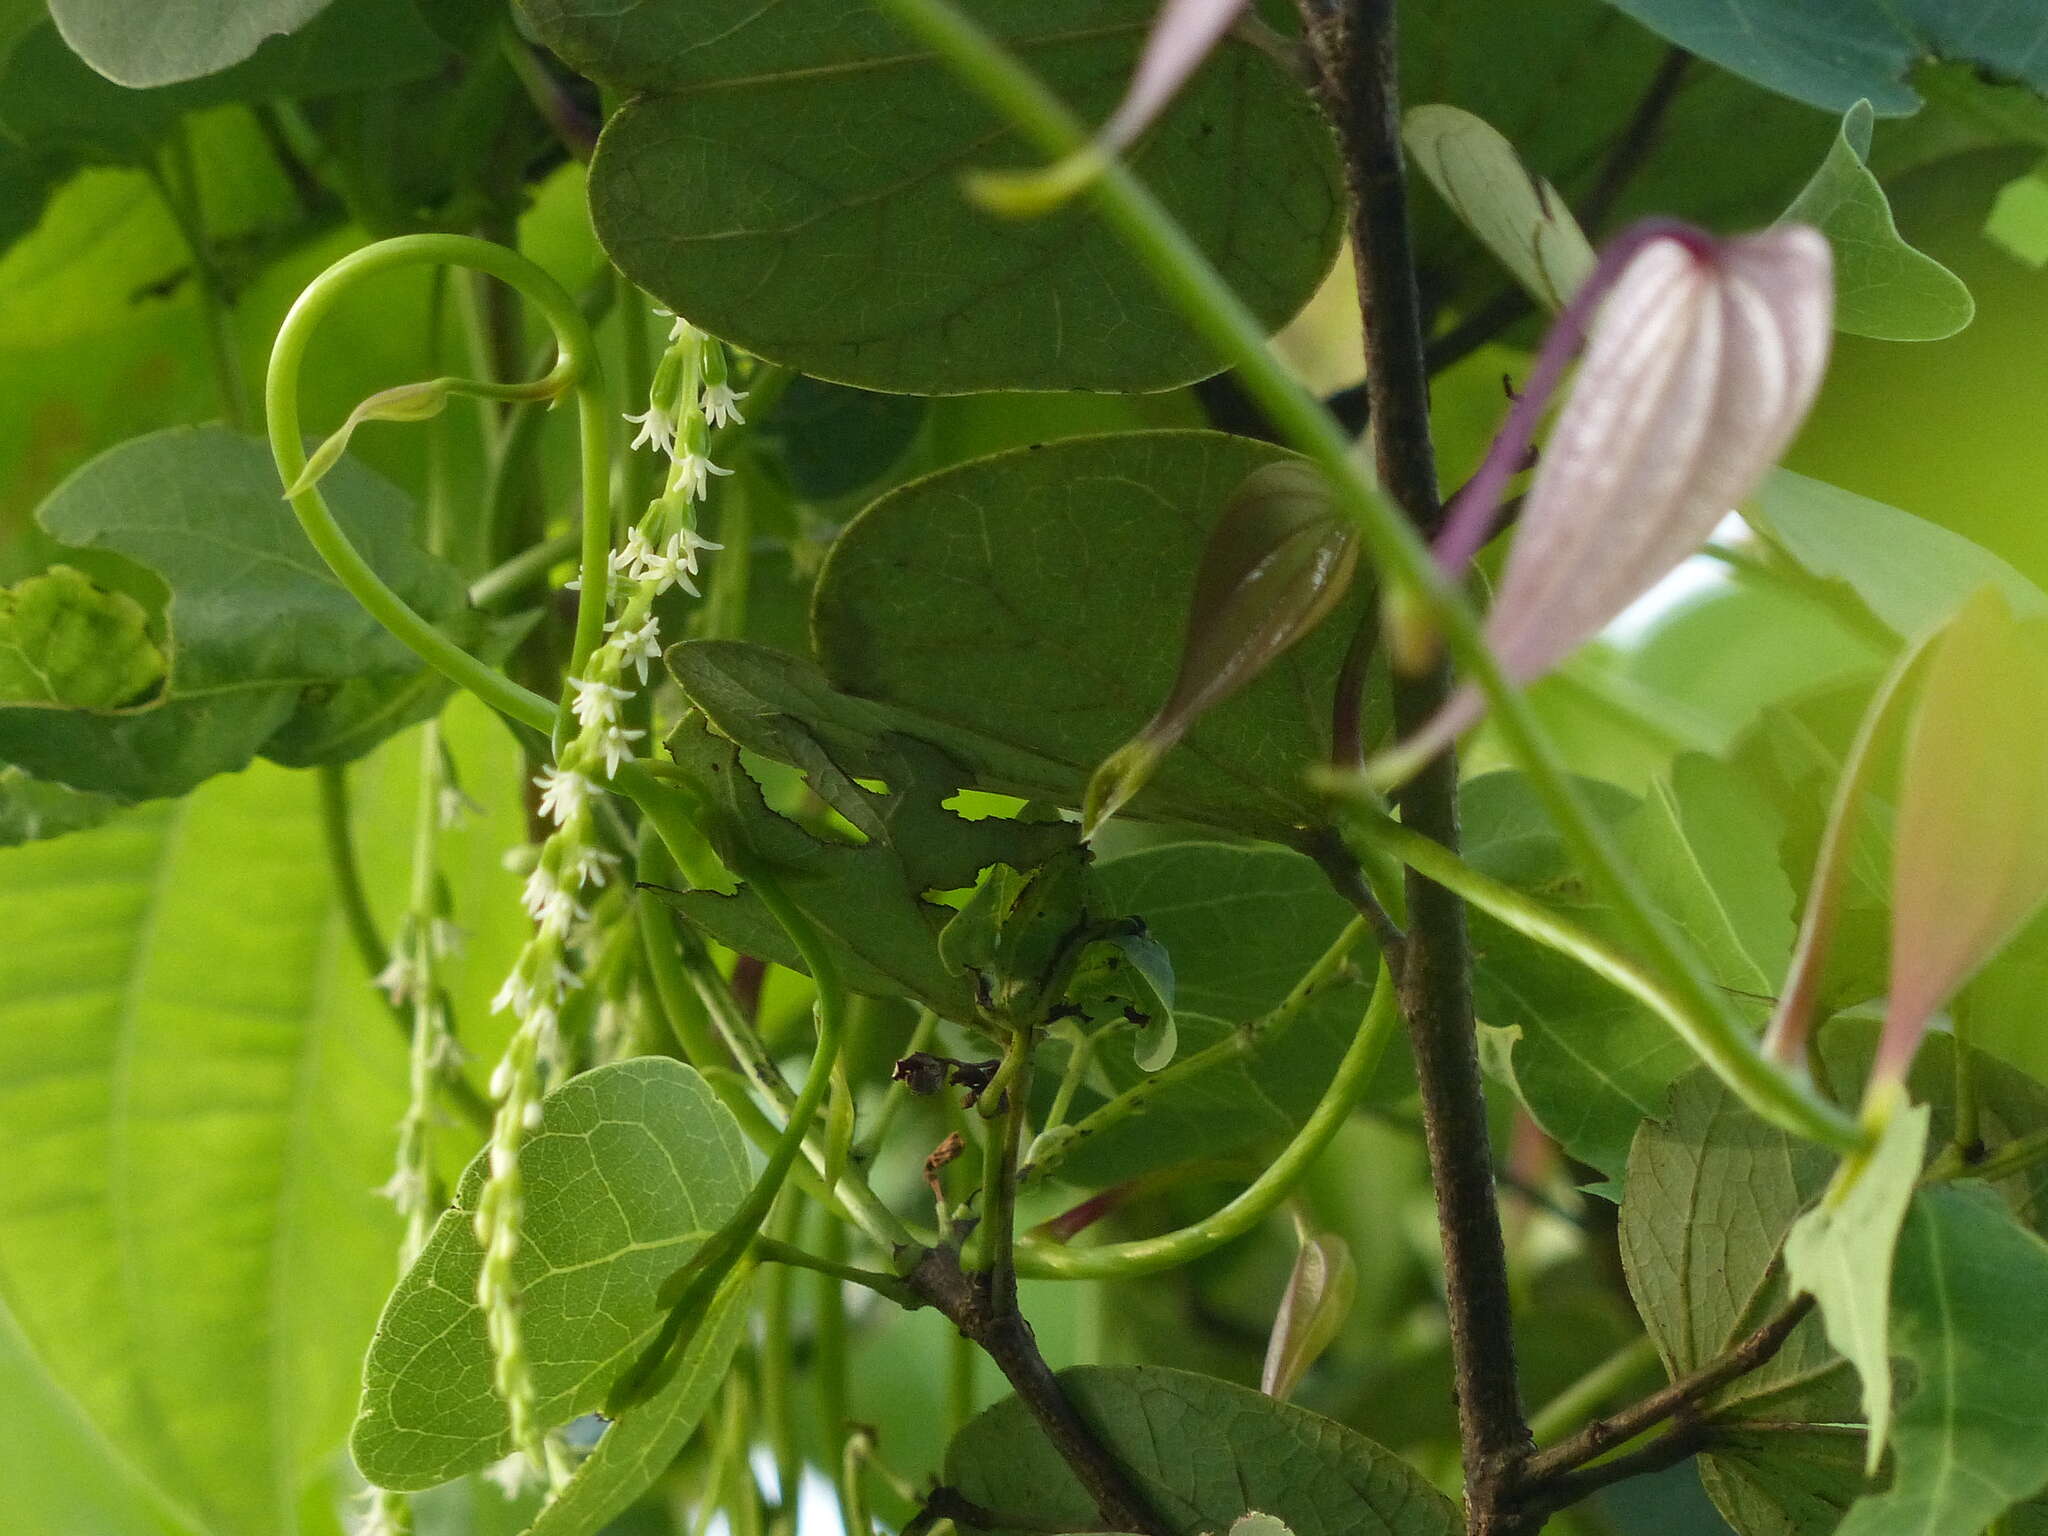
{"points": [[1702, 358]]}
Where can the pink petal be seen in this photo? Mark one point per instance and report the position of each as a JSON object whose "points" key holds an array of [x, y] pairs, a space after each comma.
{"points": [[1183, 34], [1970, 859]]}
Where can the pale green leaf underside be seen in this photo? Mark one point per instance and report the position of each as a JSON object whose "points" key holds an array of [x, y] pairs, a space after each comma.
{"points": [[1841, 1253], [1202, 1451], [632, 1167], [644, 1442], [1912, 574], [1883, 287], [140, 43]]}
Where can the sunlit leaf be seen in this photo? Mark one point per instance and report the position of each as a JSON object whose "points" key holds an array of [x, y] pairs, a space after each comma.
{"points": [[197, 1086], [632, 1167], [1883, 287], [1840, 1252]]}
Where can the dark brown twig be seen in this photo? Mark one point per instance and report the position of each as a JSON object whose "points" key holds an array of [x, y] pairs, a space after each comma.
{"points": [[975, 1306], [1355, 47], [1551, 1467]]}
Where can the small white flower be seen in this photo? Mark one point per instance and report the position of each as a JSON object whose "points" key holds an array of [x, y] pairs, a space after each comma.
{"points": [[657, 430], [597, 702], [564, 791], [637, 646], [453, 807], [514, 1475], [401, 977], [632, 552], [516, 995], [593, 866], [685, 542], [560, 913], [445, 940], [665, 568], [406, 1189], [722, 405], [693, 474], [616, 745], [381, 1514], [531, 1119], [541, 888]]}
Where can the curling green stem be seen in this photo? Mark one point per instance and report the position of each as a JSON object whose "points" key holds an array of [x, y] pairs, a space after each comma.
{"points": [[1056, 1261], [1404, 560], [575, 368], [1246, 1040]]}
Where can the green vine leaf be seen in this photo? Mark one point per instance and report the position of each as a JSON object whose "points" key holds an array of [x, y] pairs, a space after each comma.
{"points": [[644, 1444], [140, 43], [632, 1167], [1883, 287], [1242, 926], [1970, 1302], [695, 195], [49, 95], [1200, 1450], [31, 809], [258, 637], [1036, 600]]}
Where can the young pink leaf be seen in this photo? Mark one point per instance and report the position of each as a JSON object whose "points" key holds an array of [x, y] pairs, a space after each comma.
{"points": [[1277, 561], [1312, 1311], [1183, 34], [1970, 856], [1701, 362]]}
